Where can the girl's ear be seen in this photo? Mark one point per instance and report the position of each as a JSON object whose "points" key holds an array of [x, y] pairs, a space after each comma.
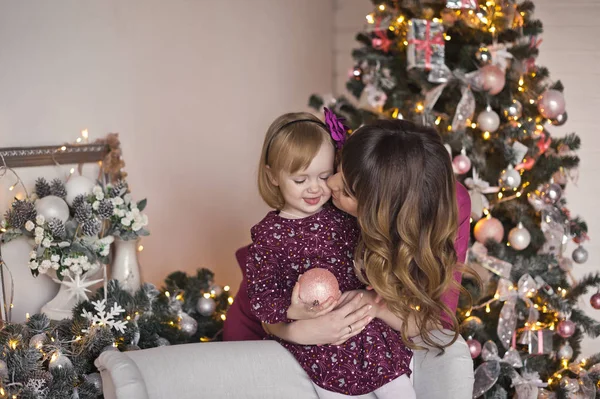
{"points": [[272, 177]]}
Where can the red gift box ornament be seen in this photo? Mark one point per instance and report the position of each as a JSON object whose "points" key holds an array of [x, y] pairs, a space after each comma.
{"points": [[425, 44]]}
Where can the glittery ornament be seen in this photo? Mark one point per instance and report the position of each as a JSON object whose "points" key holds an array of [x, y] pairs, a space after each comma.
{"points": [[566, 328], [488, 228], [551, 193], [160, 341], [488, 120], [580, 255], [595, 301], [551, 104], [37, 341], [565, 352], [206, 306], [187, 324], [509, 178], [492, 79], [317, 285], [59, 361], [560, 119], [94, 379], [474, 347], [519, 237], [513, 111], [461, 164]]}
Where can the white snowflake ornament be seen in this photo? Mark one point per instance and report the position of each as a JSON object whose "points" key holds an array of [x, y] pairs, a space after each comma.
{"points": [[102, 317]]}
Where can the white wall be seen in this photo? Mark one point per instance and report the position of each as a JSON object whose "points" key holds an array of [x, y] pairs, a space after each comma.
{"points": [[572, 52], [190, 85]]}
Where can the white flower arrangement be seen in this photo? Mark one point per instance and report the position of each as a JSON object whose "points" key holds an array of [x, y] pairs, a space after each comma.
{"points": [[128, 222]]}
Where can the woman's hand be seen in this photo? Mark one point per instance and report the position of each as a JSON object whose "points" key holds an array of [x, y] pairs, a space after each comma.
{"points": [[299, 310], [335, 327]]}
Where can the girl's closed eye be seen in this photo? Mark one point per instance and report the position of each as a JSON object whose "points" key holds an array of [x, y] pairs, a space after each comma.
{"points": [[299, 181]]}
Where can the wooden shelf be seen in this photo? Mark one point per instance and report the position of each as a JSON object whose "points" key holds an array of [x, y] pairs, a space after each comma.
{"points": [[19, 157]]}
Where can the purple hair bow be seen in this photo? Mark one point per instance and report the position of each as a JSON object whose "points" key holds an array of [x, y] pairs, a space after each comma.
{"points": [[336, 128]]}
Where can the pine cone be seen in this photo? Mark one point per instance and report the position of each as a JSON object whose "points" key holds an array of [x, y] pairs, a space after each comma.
{"points": [[58, 188], [78, 201], [83, 212], [57, 228], [118, 189], [91, 227], [105, 210], [42, 188], [21, 212]]}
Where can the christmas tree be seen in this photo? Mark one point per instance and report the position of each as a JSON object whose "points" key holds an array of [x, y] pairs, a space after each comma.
{"points": [[468, 68]]}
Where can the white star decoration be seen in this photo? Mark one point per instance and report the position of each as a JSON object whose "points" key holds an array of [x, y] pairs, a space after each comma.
{"points": [[78, 286], [102, 317]]}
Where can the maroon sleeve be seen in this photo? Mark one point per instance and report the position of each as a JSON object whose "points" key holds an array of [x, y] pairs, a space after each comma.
{"points": [[269, 300], [450, 298]]}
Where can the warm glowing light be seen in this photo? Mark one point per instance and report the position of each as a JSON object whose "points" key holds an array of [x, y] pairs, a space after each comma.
{"points": [[400, 19], [84, 134], [207, 295], [370, 19], [438, 120], [140, 248], [13, 344], [78, 140], [128, 317], [486, 135], [223, 317], [167, 294], [549, 381], [27, 316], [179, 297], [521, 81], [230, 300], [11, 188], [487, 308], [449, 128], [420, 107], [500, 195], [204, 339], [492, 29], [470, 220], [72, 171], [447, 37], [226, 288], [468, 313], [382, 7], [473, 125], [405, 43]]}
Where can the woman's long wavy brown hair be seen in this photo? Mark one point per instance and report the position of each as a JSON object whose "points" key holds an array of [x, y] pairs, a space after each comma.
{"points": [[402, 179]]}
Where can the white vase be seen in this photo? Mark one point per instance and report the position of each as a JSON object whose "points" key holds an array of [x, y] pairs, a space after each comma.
{"points": [[30, 293], [77, 289], [125, 267]]}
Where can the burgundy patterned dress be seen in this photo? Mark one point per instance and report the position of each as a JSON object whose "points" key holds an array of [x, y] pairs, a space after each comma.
{"points": [[283, 249]]}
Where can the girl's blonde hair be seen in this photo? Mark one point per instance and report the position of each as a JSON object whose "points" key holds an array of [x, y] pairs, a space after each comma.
{"points": [[404, 185], [291, 143]]}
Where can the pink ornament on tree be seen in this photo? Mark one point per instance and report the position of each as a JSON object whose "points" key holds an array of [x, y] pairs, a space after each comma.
{"points": [[317, 285], [595, 301], [474, 347], [551, 104], [492, 79], [461, 164], [489, 228], [566, 328]]}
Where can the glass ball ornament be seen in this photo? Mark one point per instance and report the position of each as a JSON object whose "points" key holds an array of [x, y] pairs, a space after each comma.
{"points": [[37, 341], [493, 79], [488, 228], [461, 164], [565, 352], [513, 111], [160, 341], [560, 119], [471, 323], [78, 185], [52, 206], [595, 301], [566, 328], [206, 306], [551, 104], [317, 285], [509, 178], [519, 237], [187, 324], [483, 56], [488, 120], [551, 193], [474, 347], [580, 255], [95, 380], [59, 361]]}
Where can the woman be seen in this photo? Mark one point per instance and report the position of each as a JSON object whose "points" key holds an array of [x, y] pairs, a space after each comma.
{"points": [[397, 179]]}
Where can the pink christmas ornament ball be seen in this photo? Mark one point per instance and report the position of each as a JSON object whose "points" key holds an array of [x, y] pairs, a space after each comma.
{"points": [[493, 79], [551, 104], [566, 328], [595, 301], [461, 164], [317, 285], [489, 228], [474, 347]]}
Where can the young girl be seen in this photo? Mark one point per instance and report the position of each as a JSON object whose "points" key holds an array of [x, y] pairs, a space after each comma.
{"points": [[305, 232]]}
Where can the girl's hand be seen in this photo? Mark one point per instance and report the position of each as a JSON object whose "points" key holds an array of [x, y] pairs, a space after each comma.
{"points": [[299, 310]]}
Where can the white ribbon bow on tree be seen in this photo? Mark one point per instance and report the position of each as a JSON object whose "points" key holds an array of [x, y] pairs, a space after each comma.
{"points": [[507, 322], [488, 372], [478, 188]]}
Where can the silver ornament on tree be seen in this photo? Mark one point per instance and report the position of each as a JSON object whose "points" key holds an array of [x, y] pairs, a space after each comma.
{"points": [[519, 237], [510, 178], [513, 111], [95, 380], [37, 341], [187, 324], [160, 341], [551, 193], [59, 361], [559, 120], [206, 306], [580, 255], [565, 352], [488, 120]]}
